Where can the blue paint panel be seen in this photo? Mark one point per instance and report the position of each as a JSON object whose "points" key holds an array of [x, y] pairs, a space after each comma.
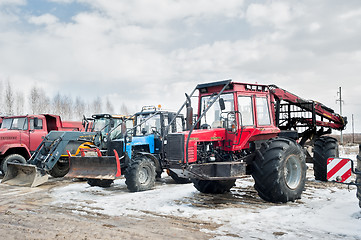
{"points": [[143, 140]]}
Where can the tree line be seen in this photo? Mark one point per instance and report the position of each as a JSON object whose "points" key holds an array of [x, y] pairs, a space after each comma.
{"points": [[14, 102]]}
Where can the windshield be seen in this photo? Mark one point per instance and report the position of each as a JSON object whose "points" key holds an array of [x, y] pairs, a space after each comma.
{"points": [[215, 117], [116, 133], [152, 125], [15, 124]]}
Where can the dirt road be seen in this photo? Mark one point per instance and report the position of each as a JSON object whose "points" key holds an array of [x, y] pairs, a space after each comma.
{"points": [[62, 209], [27, 213]]}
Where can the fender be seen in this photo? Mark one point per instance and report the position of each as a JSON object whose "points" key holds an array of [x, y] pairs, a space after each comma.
{"points": [[158, 167], [7, 147]]}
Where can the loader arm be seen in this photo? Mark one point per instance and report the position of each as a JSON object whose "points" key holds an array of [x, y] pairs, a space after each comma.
{"points": [[335, 121]]}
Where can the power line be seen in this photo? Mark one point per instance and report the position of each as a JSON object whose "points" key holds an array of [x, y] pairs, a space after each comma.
{"points": [[341, 101]]}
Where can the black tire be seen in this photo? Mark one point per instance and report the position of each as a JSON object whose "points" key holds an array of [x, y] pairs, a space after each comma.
{"points": [[104, 183], [213, 186], [279, 170], [358, 178], [324, 148], [140, 174], [12, 158], [177, 179], [60, 169]]}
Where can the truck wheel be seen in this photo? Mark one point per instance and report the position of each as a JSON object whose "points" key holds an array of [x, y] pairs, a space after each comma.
{"points": [[279, 170], [104, 183], [177, 179], [16, 158], [140, 174], [60, 169], [213, 186], [358, 178], [324, 148]]}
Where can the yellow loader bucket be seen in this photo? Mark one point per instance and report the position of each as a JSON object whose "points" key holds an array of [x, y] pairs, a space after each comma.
{"points": [[94, 167], [25, 175]]}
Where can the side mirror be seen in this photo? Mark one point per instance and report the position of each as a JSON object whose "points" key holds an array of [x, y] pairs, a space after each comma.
{"points": [[221, 104]]}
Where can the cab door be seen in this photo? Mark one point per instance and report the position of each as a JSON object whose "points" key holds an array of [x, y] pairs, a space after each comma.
{"points": [[37, 132]]}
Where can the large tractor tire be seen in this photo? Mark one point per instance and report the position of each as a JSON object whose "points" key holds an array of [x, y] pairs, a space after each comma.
{"points": [[60, 169], [358, 177], [140, 174], [104, 183], [279, 170], [324, 148], [213, 186], [16, 158], [177, 179]]}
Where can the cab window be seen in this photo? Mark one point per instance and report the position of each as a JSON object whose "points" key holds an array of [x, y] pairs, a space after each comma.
{"points": [[39, 124], [263, 115], [246, 110]]}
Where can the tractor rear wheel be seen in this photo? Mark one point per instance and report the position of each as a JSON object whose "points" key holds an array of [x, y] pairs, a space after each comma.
{"points": [[16, 158], [213, 186], [324, 148], [177, 179], [279, 170], [60, 169], [358, 178], [140, 174], [104, 183]]}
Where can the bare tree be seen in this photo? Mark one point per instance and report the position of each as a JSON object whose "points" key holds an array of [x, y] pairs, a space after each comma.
{"points": [[124, 109], [9, 99], [19, 103], [34, 99], [79, 108], [109, 106], [97, 105]]}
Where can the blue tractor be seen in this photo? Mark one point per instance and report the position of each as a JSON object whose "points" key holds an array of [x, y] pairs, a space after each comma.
{"points": [[133, 149]]}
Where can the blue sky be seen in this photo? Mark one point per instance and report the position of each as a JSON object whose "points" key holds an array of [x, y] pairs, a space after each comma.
{"points": [[144, 52]]}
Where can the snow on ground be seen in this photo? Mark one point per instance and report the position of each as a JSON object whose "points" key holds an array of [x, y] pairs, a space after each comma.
{"points": [[326, 210]]}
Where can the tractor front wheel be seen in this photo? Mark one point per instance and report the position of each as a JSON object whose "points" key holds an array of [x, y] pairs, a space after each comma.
{"points": [[213, 186], [140, 174], [324, 148], [60, 169], [279, 170]]}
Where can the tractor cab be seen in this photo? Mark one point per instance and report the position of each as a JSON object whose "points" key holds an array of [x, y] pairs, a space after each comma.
{"points": [[150, 127]]}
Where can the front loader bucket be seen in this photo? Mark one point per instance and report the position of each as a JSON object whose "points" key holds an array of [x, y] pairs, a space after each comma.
{"points": [[94, 167], [25, 175]]}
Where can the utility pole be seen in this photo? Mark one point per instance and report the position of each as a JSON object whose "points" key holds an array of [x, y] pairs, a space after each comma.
{"points": [[353, 131], [341, 101]]}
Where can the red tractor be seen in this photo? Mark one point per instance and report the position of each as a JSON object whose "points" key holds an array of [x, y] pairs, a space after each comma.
{"points": [[252, 129]]}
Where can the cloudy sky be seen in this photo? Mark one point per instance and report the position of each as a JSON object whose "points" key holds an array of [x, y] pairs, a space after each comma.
{"points": [[142, 52]]}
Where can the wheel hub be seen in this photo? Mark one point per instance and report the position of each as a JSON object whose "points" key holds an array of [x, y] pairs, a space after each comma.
{"points": [[292, 172]]}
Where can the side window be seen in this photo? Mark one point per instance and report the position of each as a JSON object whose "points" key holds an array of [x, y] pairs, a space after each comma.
{"points": [[38, 125], [246, 110], [263, 116]]}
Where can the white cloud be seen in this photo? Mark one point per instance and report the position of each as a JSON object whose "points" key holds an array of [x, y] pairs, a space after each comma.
{"points": [[46, 19], [12, 2], [272, 13], [314, 27]]}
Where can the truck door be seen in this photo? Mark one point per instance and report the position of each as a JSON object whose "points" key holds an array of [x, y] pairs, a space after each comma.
{"points": [[37, 133]]}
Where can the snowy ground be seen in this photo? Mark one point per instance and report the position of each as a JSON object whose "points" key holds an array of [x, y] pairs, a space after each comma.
{"points": [[326, 210]]}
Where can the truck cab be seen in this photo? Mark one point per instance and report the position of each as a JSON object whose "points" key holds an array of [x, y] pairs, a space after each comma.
{"points": [[21, 135]]}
